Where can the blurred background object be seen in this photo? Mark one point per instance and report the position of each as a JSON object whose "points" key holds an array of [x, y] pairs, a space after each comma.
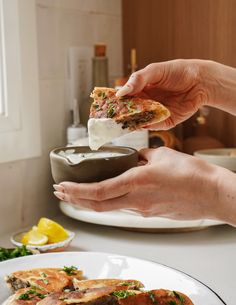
{"points": [[172, 29], [200, 138]]}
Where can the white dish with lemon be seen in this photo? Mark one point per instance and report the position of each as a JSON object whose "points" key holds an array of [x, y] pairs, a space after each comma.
{"points": [[47, 236]]}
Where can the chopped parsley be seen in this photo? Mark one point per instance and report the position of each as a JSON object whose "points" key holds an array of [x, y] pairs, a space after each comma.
{"points": [[103, 95], [111, 111], [122, 294], [70, 270], [172, 303], [179, 297], [32, 293], [12, 253]]}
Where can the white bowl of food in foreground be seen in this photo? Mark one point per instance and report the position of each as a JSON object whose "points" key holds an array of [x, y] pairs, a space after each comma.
{"points": [[225, 157], [47, 236]]}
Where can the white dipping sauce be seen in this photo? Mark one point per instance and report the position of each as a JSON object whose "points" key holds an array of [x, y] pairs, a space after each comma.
{"points": [[102, 131], [76, 158]]}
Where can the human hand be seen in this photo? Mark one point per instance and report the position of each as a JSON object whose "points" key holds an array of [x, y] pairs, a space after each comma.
{"points": [[178, 84], [171, 184]]}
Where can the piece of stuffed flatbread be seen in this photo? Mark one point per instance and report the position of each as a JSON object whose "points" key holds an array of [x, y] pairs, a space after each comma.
{"points": [[112, 117], [49, 279]]}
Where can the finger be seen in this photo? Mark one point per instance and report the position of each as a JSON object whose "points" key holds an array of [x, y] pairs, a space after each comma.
{"points": [[153, 73], [110, 188], [103, 206]]}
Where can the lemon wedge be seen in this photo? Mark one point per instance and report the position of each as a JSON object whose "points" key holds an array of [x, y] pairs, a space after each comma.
{"points": [[34, 238], [52, 230]]}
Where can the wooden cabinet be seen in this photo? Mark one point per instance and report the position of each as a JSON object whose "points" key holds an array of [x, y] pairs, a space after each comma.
{"points": [[166, 29]]}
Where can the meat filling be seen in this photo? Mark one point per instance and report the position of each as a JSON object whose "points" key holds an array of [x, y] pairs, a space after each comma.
{"points": [[16, 283], [134, 120]]}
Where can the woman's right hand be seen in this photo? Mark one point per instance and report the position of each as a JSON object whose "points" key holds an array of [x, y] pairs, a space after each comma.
{"points": [[183, 86]]}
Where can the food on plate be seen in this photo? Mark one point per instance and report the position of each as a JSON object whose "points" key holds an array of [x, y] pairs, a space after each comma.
{"points": [[99, 283], [26, 296], [47, 231], [48, 279], [13, 253], [112, 116], [64, 286]]}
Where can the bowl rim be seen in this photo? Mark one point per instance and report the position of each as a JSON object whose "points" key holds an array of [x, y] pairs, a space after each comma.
{"points": [[43, 247], [209, 153], [131, 151]]}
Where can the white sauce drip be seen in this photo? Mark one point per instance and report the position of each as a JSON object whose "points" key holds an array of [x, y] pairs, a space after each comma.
{"points": [[76, 158], [102, 131]]}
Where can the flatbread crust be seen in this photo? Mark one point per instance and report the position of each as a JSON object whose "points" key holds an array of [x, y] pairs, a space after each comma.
{"points": [[132, 112], [48, 279]]}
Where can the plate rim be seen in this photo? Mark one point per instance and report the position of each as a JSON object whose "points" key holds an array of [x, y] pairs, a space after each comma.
{"points": [[114, 254], [178, 224]]}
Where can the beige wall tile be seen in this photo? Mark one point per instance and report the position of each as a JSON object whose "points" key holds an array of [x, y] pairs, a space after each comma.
{"points": [[26, 186], [60, 29], [54, 114], [98, 6]]}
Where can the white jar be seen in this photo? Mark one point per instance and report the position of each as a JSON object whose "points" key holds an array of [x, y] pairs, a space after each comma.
{"points": [[135, 139]]}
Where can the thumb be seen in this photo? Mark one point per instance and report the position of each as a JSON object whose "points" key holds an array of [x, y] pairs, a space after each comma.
{"points": [[147, 154], [151, 74]]}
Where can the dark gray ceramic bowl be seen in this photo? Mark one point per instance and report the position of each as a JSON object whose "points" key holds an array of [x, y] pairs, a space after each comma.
{"points": [[92, 170]]}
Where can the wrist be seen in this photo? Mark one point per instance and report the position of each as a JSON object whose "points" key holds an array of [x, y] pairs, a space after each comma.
{"points": [[226, 195], [219, 82]]}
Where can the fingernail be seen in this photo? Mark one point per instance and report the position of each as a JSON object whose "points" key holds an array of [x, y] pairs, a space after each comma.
{"points": [[124, 90], [59, 188], [59, 195]]}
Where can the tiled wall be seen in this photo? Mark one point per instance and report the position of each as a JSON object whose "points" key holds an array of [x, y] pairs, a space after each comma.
{"points": [[26, 186]]}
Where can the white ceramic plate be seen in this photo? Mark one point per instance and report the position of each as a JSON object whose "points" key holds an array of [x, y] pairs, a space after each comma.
{"points": [[103, 265], [132, 220]]}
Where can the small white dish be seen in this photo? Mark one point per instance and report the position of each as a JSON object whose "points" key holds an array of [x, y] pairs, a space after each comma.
{"points": [[55, 247], [225, 157], [104, 265]]}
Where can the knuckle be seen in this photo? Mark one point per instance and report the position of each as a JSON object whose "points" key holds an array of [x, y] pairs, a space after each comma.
{"points": [[137, 76], [163, 149], [150, 67]]}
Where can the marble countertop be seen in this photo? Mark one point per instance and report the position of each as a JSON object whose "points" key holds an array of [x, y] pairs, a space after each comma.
{"points": [[208, 255]]}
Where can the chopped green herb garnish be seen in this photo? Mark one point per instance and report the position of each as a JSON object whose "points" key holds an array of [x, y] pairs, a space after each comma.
{"points": [[173, 303], [26, 295], [12, 253], [70, 270], [104, 95], [110, 111], [152, 297], [179, 297], [122, 294]]}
